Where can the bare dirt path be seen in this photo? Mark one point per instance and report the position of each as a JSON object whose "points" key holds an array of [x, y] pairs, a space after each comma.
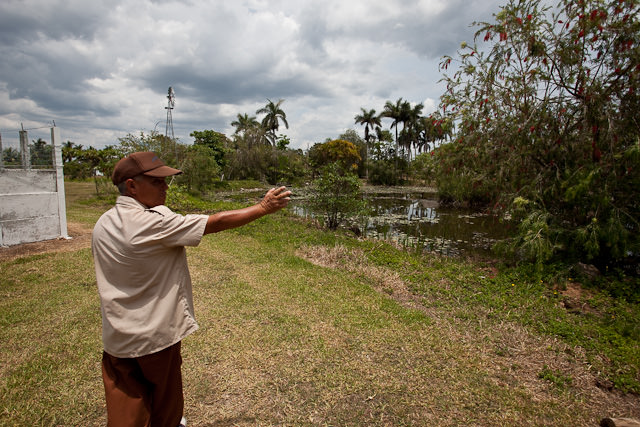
{"points": [[80, 238]]}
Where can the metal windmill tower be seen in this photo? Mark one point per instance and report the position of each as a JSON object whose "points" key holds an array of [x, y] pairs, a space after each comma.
{"points": [[170, 104]]}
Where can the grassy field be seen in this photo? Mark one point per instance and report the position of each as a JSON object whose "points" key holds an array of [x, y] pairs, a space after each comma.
{"points": [[304, 327]]}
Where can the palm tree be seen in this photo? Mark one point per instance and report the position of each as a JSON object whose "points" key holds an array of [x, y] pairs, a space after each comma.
{"points": [[370, 120], [394, 112], [244, 123], [70, 151], [397, 112], [411, 133], [433, 128], [271, 122]]}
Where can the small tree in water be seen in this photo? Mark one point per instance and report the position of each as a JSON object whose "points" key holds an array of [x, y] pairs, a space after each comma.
{"points": [[336, 195]]}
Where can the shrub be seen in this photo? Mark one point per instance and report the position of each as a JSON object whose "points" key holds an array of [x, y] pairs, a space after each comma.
{"points": [[336, 196], [549, 114]]}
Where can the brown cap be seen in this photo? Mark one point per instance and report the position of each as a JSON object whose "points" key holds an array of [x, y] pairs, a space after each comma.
{"points": [[145, 163]]}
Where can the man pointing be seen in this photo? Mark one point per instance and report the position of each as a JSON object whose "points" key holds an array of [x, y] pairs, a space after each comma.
{"points": [[145, 289]]}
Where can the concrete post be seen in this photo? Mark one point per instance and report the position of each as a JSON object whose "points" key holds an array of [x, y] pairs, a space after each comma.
{"points": [[24, 150], [1, 166], [56, 142]]}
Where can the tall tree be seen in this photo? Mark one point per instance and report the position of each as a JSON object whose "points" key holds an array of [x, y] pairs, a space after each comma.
{"points": [[394, 112], [411, 126], [370, 120], [273, 116]]}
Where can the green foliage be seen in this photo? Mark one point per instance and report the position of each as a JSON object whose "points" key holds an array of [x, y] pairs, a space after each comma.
{"points": [[216, 142], [201, 168], [74, 166], [84, 163], [180, 200], [248, 162], [352, 136], [283, 142], [336, 195], [291, 167], [199, 162], [265, 163], [535, 238], [549, 114], [169, 150], [418, 134], [388, 171], [11, 157], [344, 155], [41, 154], [423, 167]]}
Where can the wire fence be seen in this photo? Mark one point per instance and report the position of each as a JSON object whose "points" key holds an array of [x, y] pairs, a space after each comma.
{"points": [[39, 146]]}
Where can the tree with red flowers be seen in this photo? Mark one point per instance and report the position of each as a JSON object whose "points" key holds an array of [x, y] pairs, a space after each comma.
{"points": [[548, 128]]}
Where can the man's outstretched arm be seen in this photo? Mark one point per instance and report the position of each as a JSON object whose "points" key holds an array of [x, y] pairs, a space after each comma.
{"points": [[274, 200]]}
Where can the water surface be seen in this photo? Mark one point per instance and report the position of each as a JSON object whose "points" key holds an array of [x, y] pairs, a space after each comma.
{"points": [[414, 219]]}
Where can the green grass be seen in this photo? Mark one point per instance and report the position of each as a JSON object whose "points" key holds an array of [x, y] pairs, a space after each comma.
{"points": [[304, 327]]}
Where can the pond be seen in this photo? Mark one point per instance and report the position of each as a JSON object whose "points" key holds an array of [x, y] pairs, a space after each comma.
{"points": [[413, 218]]}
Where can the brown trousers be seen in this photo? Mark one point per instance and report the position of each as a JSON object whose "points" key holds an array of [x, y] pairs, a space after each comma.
{"points": [[144, 391]]}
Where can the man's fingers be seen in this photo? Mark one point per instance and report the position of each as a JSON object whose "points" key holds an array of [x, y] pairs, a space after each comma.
{"points": [[275, 199], [279, 192]]}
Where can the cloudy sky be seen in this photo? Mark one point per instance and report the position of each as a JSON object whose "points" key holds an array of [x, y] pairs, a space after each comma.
{"points": [[101, 68]]}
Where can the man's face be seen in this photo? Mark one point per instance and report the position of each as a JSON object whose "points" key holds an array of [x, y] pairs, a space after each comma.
{"points": [[148, 190]]}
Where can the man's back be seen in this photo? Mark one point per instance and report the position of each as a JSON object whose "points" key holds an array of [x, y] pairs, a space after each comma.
{"points": [[143, 278]]}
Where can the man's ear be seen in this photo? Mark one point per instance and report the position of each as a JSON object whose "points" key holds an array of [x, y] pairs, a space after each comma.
{"points": [[132, 189]]}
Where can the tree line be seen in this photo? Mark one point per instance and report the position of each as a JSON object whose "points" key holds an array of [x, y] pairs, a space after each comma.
{"points": [[256, 151]]}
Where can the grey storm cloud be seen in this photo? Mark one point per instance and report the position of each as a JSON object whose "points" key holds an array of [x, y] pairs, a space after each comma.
{"points": [[28, 21], [101, 69]]}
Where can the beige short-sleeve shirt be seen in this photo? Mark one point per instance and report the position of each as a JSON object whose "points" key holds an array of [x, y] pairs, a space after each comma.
{"points": [[143, 276]]}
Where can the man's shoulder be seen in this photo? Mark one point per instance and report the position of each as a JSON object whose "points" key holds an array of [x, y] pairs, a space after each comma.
{"points": [[162, 210]]}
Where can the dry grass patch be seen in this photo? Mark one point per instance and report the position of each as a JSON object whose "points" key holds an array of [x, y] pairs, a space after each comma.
{"points": [[541, 369], [355, 261]]}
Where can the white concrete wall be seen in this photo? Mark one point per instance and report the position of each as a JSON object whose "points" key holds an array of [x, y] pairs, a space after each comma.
{"points": [[32, 202]]}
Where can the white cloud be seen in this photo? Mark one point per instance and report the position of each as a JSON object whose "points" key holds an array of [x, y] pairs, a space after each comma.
{"points": [[432, 7]]}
